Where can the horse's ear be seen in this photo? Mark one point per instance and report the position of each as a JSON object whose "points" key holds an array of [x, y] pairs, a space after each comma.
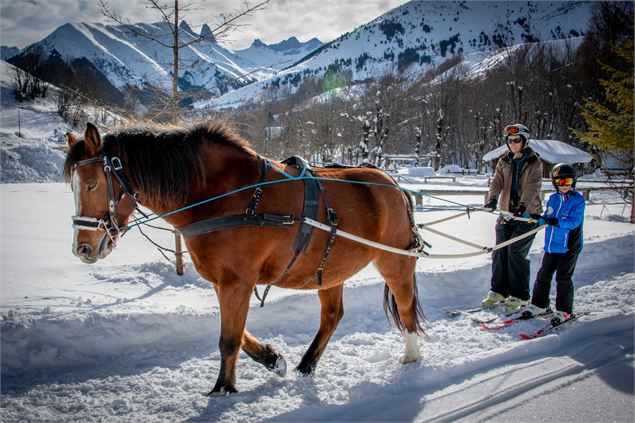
{"points": [[92, 139], [71, 139]]}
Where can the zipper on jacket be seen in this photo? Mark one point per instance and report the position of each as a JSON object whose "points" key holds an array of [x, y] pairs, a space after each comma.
{"points": [[552, 229]]}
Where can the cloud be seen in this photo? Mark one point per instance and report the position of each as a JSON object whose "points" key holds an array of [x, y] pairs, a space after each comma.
{"points": [[23, 22]]}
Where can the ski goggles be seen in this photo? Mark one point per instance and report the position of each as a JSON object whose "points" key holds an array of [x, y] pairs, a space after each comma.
{"points": [[511, 130], [515, 139], [561, 182]]}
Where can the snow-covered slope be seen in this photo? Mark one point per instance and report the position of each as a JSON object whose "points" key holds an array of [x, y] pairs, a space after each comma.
{"points": [[128, 340], [419, 35], [31, 135]]}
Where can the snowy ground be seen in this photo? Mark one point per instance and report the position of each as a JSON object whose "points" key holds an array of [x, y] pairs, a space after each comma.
{"points": [[127, 339]]}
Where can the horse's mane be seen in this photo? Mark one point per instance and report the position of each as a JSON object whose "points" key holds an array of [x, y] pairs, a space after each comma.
{"points": [[164, 162]]}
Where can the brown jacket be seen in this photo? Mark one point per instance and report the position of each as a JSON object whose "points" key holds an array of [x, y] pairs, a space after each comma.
{"points": [[530, 182]]}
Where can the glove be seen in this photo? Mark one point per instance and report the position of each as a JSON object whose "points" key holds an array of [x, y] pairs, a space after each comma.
{"points": [[552, 221], [491, 204], [526, 216], [520, 210]]}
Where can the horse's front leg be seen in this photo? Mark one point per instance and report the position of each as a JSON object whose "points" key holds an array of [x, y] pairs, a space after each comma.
{"points": [[233, 298], [331, 313], [264, 354]]}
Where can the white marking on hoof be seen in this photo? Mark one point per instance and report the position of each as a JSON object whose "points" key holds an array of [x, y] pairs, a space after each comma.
{"points": [[412, 352], [280, 368], [222, 393]]}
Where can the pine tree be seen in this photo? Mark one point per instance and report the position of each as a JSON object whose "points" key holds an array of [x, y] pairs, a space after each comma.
{"points": [[610, 123]]}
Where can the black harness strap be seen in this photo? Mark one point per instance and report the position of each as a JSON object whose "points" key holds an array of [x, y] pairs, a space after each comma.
{"points": [[220, 223], [248, 218], [309, 209]]}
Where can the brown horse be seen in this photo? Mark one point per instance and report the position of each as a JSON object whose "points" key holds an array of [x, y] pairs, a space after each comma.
{"points": [[167, 168]]}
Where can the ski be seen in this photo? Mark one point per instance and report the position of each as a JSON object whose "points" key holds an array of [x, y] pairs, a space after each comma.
{"points": [[501, 324], [454, 312], [547, 329]]}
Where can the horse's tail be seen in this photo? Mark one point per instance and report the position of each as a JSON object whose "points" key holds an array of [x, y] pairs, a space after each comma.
{"points": [[391, 309]]}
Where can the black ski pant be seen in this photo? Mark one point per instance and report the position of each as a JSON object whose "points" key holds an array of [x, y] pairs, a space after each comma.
{"points": [[510, 266], [563, 265]]}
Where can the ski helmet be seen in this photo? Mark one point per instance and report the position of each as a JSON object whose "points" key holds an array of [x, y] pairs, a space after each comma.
{"points": [[563, 171], [517, 129]]}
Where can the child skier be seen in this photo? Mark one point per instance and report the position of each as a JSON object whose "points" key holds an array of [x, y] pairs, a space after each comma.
{"points": [[563, 244]]}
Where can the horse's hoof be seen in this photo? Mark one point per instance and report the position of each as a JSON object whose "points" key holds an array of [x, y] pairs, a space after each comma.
{"points": [[274, 361], [222, 392], [305, 370], [406, 360], [280, 367]]}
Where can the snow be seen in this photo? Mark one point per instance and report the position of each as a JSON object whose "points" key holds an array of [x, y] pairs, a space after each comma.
{"points": [[126, 339], [552, 151], [418, 171]]}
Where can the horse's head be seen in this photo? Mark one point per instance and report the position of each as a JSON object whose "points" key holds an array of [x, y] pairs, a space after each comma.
{"points": [[104, 201]]}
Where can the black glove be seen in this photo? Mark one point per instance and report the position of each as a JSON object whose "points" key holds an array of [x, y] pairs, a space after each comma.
{"points": [[491, 204], [553, 221], [520, 210]]}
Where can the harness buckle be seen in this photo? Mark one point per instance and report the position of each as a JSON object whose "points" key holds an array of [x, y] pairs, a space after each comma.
{"points": [[116, 163], [332, 216]]}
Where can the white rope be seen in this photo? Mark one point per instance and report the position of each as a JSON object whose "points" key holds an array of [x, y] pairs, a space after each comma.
{"points": [[453, 238], [358, 239], [445, 219], [361, 240]]}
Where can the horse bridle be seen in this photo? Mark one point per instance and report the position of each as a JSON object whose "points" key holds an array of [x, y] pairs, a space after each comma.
{"points": [[108, 222]]}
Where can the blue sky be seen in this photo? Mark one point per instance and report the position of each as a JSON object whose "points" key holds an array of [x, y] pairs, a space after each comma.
{"points": [[23, 22]]}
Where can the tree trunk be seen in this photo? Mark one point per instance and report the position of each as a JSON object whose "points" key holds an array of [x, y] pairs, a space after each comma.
{"points": [[178, 239], [175, 68]]}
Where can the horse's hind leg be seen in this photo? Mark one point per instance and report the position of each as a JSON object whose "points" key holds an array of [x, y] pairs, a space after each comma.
{"points": [[264, 354], [331, 312], [398, 271]]}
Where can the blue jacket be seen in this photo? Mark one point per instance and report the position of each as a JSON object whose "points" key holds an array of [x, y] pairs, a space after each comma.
{"points": [[567, 236]]}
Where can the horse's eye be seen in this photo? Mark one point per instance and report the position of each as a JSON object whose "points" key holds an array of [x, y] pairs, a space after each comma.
{"points": [[92, 186]]}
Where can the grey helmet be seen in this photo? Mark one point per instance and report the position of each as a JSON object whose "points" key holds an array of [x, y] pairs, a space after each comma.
{"points": [[517, 129]]}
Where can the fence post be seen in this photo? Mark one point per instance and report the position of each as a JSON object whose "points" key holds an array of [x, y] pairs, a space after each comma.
{"points": [[178, 252]]}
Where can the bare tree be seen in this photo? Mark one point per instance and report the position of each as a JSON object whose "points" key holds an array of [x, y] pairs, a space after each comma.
{"points": [[223, 25]]}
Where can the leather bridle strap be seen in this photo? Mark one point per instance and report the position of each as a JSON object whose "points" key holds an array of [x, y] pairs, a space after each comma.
{"points": [[108, 222]]}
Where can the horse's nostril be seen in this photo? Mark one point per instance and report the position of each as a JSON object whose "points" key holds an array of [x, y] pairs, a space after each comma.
{"points": [[84, 250]]}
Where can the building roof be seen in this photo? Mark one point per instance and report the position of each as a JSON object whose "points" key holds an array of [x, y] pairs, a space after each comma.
{"points": [[551, 151]]}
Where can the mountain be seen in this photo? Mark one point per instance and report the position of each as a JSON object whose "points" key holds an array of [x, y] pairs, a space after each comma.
{"points": [[420, 35], [131, 57], [280, 55], [7, 52]]}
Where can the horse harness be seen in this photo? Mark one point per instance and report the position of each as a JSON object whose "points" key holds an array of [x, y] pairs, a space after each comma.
{"points": [[108, 222], [312, 190]]}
